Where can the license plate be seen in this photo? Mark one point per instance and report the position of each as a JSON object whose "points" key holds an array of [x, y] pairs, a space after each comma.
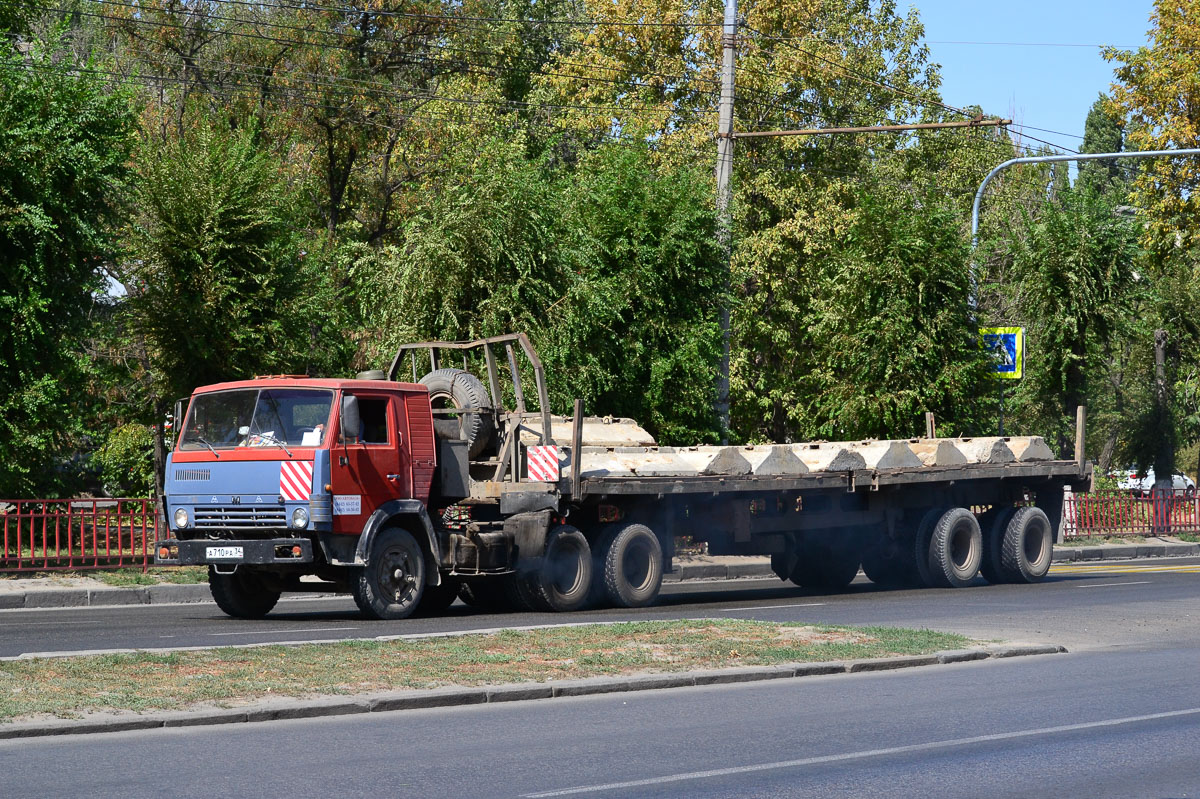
{"points": [[223, 553]]}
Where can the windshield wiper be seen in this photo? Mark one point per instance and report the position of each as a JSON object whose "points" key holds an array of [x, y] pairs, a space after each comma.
{"points": [[270, 438], [211, 448]]}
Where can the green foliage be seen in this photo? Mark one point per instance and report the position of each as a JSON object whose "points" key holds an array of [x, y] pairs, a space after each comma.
{"points": [[64, 143], [1075, 285], [882, 331], [1102, 134], [219, 283], [610, 267], [126, 461]]}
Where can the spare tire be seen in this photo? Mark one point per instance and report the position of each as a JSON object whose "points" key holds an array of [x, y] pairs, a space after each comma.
{"points": [[455, 388]]}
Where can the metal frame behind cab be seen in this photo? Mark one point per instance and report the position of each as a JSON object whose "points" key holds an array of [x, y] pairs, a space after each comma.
{"points": [[508, 452]]}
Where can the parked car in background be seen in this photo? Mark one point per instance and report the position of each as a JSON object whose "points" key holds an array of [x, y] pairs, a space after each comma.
{"points": [[1129, 480]]}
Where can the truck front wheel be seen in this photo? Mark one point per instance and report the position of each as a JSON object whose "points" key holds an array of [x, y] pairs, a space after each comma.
{"points": [[243, 594], [391, 584]]}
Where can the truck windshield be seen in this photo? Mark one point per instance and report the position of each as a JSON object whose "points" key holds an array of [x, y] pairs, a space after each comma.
{"points": [[271, 417]]}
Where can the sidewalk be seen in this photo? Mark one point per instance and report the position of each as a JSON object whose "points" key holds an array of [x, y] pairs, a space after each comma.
{"points": [[68, 592]]}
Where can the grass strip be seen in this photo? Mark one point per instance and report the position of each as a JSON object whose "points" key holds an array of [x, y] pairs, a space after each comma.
{"points": [[67, 687]]}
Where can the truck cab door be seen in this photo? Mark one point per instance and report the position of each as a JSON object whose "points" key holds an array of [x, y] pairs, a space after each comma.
{"points": [[366, 468]]}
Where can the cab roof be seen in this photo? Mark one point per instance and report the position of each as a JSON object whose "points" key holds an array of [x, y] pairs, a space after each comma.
{"points": [[313, 382]]}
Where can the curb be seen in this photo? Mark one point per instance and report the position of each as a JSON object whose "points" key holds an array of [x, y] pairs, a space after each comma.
{"points": [[279, 709], [1160, 549]]}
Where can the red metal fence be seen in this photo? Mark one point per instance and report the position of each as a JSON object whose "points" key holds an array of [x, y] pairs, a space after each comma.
{"points": [[72, 534], [1114, 513]]}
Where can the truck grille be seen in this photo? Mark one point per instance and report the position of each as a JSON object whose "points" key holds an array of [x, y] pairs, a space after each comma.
{"points": [[240, 516], [193, 474]]}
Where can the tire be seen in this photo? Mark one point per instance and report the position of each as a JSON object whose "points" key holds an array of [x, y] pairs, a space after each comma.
{"points": [[922, 544], [436, 599], [955, 549], [633, 566], [391, 584], [243, 594], [992, 525], [562, 580], [454, 388], [1028, 546]]}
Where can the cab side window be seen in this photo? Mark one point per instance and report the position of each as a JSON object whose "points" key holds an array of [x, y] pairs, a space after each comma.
{"points": [[373, 412]]}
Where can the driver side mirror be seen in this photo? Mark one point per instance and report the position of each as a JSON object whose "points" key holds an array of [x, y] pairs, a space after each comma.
{"points": [[351, 423]]}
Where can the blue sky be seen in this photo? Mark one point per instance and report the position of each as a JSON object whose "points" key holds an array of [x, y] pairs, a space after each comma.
{"points": [[1045, 87]]}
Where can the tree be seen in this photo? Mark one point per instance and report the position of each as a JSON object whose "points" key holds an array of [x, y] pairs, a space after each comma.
{"points": [[1075, 285], [610, 265], [65, 140], [1102, 134], [1155, 94], [883, 328], [218, 283]]}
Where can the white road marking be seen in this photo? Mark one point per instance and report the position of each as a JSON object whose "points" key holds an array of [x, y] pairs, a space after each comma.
{"points": [[847, 756], [773, 607], [275, 632], [1106, 585]]}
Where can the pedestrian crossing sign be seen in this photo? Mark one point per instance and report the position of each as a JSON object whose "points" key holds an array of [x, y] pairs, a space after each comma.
{"points": [[1007, 345]]}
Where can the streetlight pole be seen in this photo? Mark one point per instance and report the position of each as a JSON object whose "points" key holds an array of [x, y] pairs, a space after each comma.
{"points": [[724, 200]]}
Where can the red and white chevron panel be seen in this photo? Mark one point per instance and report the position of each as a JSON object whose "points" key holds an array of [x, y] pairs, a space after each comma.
{"points": [[543, 463], [295, 480]]}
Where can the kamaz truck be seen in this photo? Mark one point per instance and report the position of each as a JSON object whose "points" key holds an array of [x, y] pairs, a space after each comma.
{"points": [[408, 495]]}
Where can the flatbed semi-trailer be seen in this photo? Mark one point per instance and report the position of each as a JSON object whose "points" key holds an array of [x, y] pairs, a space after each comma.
{"points": [[411, 494]]}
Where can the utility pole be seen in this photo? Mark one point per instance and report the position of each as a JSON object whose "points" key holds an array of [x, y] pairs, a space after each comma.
{"points": [[724, 201]]}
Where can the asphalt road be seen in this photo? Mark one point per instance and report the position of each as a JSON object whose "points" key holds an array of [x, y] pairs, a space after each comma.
{"points": [[1080, 606], [1103, 723]]}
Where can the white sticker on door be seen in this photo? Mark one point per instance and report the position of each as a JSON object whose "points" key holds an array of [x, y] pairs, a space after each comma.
{"points": [[347, 504]]}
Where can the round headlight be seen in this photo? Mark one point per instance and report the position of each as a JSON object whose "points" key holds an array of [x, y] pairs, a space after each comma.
{"points": [[300, 518], [181, 518]]}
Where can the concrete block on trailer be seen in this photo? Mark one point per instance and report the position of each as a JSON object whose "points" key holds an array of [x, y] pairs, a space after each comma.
{"points": [[602, 462], [716, 460], [886, 454], [936, 452], [773, 460], [828, 457], [1030, 448], [990, 449]]}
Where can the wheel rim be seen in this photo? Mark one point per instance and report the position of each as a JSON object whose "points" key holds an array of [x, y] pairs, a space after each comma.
{"points": [[962, 549], [635, 565], [566, 568], [1035, 542], [397, 576]]}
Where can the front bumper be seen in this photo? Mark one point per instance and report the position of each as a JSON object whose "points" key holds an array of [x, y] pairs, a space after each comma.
{"points": [[232, 552]]}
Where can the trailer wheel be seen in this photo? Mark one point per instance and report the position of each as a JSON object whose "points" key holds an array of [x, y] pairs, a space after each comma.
{"points": [[455, 388], [1028, 546], [563, 580], [391, 584], [436, 598], [633, 566], [922, 543], [243, 594], [955, 549], [992, 524]]}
